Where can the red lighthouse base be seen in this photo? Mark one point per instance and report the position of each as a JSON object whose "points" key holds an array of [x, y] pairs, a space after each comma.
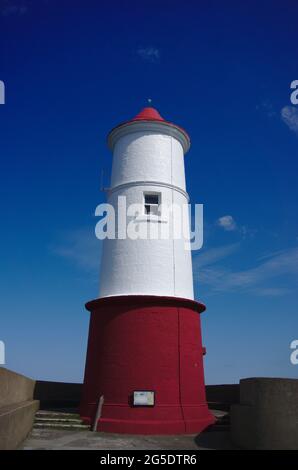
{"points": [[145, 343]]}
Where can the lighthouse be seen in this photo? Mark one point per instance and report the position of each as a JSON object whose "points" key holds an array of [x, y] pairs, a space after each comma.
{"points": [[145, 353]]}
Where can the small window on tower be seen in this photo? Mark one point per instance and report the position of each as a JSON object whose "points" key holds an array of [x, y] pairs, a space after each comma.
{"points": [[152, 202]]}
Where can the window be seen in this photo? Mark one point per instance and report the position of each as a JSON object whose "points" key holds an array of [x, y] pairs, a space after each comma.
{"points": [[152, 202]]}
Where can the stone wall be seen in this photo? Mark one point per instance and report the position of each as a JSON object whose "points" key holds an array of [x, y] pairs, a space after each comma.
{"points": [[57, 394], [221, 397], [17, 408], [267, 416]]}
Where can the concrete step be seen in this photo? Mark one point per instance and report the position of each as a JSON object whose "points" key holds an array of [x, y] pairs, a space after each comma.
{"points": [[56, 414], [222, 417], [67, 420], [58, 420], [69, 427], [222, 421]]}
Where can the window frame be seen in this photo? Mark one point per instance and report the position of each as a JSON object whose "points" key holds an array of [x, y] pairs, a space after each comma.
{"points": [[148, 206]]}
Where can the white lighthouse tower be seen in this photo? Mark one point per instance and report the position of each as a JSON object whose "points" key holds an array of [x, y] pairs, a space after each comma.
{"points": [[148, 169], [145, 353]]}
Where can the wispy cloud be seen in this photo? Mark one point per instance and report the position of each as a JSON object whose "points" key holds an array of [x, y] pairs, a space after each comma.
{"points": [[81, 247], [227, 223], [208, 271], [13, 7], [213, 255], [289, 115], [149, 54], [272, 291]]}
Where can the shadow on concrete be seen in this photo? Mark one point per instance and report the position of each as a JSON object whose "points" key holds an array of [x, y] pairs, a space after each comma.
{"points": [[215, 439]]}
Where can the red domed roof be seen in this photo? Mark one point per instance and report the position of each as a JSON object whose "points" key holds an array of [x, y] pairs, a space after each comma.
{"points": [[152, 115], [148, 114]]}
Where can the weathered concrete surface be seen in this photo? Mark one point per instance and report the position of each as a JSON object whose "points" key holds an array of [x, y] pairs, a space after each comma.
{"points": [[267, 416], [216, 437], [17, 408], [14, 388], [47, 439], [16, 422]]}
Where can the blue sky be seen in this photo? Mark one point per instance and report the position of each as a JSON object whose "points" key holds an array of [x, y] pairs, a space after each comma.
{"points": [[222, 70]]}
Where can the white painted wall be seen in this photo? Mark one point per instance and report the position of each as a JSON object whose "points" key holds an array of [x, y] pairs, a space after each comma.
{"points": [[147, 161], [148, 157]]}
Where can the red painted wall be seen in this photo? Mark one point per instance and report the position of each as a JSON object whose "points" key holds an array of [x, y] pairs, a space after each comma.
{"points": [[145, 343]]}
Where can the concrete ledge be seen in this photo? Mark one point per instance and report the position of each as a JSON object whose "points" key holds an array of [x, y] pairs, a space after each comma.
{"points": [[17, 408], [14, 388], [16, 422], [267, 416]]}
